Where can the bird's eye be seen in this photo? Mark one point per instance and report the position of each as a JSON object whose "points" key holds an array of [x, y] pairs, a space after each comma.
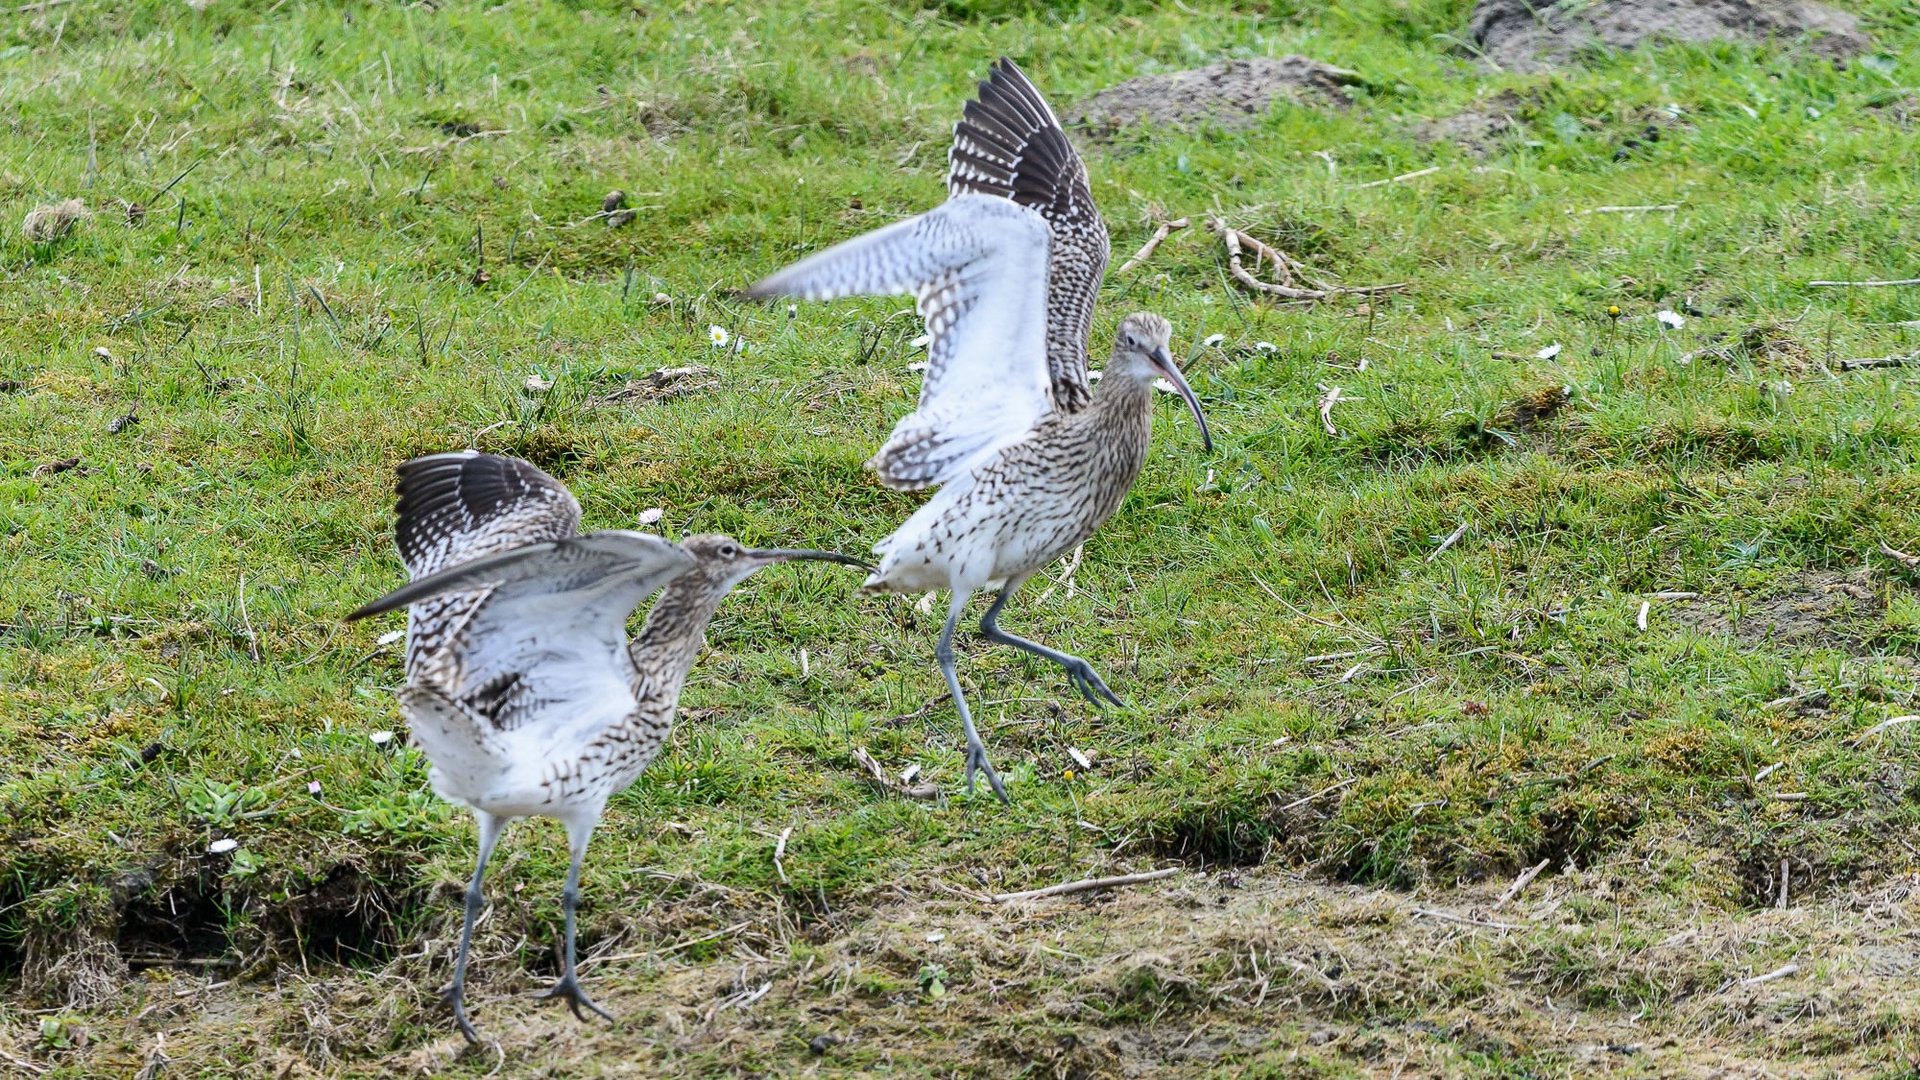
{"points": [[728, 551]]}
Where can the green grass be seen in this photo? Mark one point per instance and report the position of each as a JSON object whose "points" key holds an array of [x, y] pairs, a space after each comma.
{"points": [[295, 309]]}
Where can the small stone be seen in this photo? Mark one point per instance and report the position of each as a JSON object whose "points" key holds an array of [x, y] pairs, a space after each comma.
{"points": [[538, 385], [820, 1044], [615, 200], [45, 224], [222, 846]]}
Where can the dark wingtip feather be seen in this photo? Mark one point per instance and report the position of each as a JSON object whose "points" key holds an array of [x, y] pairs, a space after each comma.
{"points": [[443, 495], [1009, 143]]}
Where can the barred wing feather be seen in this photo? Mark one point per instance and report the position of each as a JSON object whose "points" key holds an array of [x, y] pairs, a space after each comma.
{"points": [[977, 268], [1009, 144]]}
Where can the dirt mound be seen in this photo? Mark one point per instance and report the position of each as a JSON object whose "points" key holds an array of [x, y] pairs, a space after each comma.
{"points": [[1473, 131], [1480, 129], [1233, 94], [1521, 36], [1818, 609]]}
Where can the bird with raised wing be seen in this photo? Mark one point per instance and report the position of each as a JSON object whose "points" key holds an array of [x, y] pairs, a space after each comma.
{"points": [[522, 687], [1028, 458]]}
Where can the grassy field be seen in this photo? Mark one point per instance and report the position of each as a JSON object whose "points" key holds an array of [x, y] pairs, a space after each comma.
{"points": [[320, 238]]}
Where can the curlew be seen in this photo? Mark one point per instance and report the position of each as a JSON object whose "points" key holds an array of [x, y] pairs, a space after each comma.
{"points": [[1029, 460], [522, 687]]}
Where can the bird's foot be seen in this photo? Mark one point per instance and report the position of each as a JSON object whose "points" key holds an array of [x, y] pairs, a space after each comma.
{"points": [[1089, 683], [977, 762], [455, 995], [568, 988]]}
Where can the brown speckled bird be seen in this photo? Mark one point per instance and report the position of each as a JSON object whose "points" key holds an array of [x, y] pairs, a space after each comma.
{"points": [[522, 687], [1029, 460]]}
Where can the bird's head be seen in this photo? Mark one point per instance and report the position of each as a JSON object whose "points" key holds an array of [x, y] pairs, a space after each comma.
{"points": [[1142, 349], [723, 562]]}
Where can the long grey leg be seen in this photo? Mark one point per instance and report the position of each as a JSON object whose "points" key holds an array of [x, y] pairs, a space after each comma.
{"points": [[976, 750], [491, 826], [578, 833], [1079, 672]]}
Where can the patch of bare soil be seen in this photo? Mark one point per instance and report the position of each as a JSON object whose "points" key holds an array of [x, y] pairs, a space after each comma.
{"points": [[1764, 344], [659, 386], [1901, 110], [1474, 131], [1578, 972], [1522, 36], [1478, 130], [1820, 608], [1234, 94]]}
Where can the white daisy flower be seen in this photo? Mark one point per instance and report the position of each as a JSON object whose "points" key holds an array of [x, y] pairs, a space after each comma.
{"points": [[1672, 320], [717, 334], [1548, 353], [1214, 339]]}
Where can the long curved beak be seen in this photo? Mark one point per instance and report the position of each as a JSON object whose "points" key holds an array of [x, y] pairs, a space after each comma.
{"points": [[774, 555], [1164, 361]]}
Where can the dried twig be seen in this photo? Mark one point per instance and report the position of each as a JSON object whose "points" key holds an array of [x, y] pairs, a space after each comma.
{"points": [[31, 1068], [1882, 726], [1330, 789], [1334, 396], [1146, 250], [1310, 972], [1777, 973], [253, 640], [1911, 562], [1414, 175], [1452, 539], [1066, 578], [1284, 266], [1641, 619], [1068, 887], [779, 852], [1781, 903], [1863, 284], [1526, 878], [879, 776], [586, 961], [1866, 362], [1627, 209], [1448, 916]]}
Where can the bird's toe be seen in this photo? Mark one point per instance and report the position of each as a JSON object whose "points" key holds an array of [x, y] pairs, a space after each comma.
{"points": [[568, 989], [455, 997]]}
